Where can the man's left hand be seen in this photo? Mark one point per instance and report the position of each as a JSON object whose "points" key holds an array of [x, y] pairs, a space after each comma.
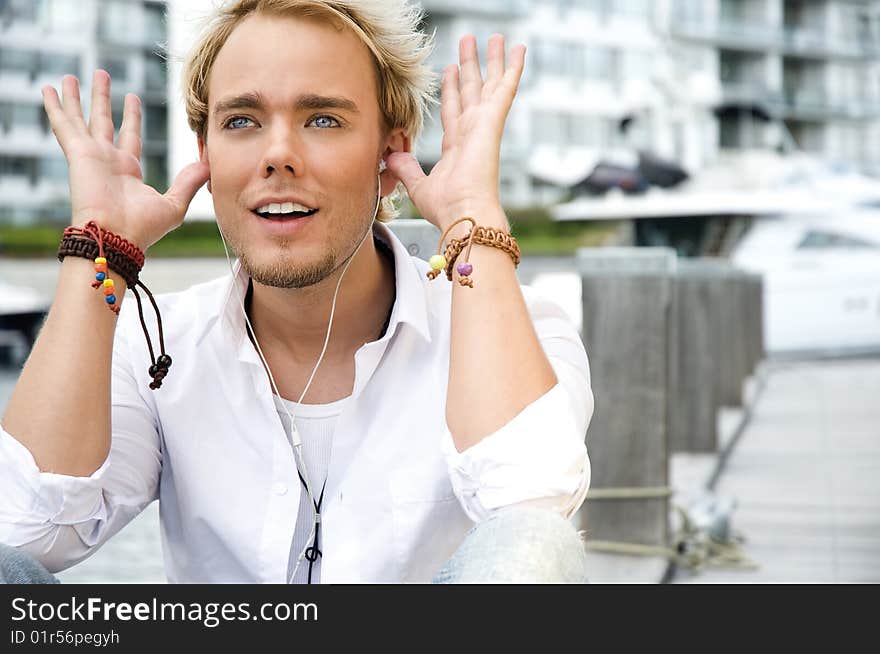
{"points": [[473, 111]]}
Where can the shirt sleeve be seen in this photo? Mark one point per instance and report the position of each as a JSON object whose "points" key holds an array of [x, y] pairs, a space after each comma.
{"points": [[540, 457], [61, 519]]}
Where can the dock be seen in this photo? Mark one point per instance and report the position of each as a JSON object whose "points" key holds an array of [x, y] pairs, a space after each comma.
{"points": [[798, 469]]}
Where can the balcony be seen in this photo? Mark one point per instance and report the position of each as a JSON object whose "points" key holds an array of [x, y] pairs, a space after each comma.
{"points": [[489, 8], [815, 105], [729, 34], [804, 42], [753, 93]]}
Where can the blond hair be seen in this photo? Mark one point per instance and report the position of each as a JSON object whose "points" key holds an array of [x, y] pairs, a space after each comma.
{"points": [[389, 29]]}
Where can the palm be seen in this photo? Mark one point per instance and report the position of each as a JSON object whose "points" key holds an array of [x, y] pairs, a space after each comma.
{"points": [[473, 112], [106, 182]]}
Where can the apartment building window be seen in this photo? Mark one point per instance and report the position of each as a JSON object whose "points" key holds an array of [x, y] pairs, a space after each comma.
{"points": [[18, 61], [116, 66], [24, 11], [634, 9], [548, 57], [603, 9], [154, 16], [546, 128], [59, 64], [114, 21], [599, 63], [156, 124], [156, 172], [62, 16], [156, 73], [18, 167], [635, 65]]}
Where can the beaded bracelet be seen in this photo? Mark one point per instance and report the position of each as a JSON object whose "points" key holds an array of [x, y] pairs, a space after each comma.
{"points": [[109, 250], [477, 234]]}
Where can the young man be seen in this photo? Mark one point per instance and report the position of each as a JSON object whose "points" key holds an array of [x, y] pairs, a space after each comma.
{"points": [[438, 429]]}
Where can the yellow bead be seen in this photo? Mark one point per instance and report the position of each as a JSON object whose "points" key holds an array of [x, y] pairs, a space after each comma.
{"points": [[437, 262], [108, 283], [100, 260]]}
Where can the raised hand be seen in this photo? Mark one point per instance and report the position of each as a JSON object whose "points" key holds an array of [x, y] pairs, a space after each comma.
{"points": [[106, 181], [465, 180]]}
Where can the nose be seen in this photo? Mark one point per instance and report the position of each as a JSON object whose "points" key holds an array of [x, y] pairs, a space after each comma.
{"points": [[282, 156]]}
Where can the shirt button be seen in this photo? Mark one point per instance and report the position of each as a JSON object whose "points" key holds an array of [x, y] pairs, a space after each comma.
{"points": [[279, 488]]}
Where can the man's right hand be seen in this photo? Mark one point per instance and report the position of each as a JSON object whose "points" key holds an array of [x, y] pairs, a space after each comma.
{"points": [[106, 181]]}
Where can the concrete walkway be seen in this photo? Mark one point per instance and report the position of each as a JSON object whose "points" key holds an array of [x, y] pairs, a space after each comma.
{"points": [[805, 475]]}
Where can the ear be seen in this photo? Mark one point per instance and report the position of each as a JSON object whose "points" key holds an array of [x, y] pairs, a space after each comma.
{"points": [[203, 156], [396, 141]]}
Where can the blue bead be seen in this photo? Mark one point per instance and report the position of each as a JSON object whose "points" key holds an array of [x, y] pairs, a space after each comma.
{"points": [[110, 299], [100, 276]]}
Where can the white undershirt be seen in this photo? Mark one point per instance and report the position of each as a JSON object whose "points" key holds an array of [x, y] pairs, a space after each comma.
{"points": [[316, 424]]}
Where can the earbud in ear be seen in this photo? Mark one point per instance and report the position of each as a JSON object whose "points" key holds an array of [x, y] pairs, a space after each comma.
{"points": [[382, 165]]}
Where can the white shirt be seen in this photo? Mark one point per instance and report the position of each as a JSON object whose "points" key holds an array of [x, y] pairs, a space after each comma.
{"points": [[210, 447]]}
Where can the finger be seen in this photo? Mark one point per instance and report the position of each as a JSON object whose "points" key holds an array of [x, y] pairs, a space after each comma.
{"points": [[408, 170], [59, 121], [450, 105], [494, 64], [513, 74], [130, 132], [188, 181], [72, 106], [471, 79], [100, 118]]}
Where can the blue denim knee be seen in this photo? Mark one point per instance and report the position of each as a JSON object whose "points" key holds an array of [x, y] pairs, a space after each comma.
{"points": [[19, 567], [518, 545]]}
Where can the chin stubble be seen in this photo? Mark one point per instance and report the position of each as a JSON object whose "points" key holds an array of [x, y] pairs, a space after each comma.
{"points": [[282, 274]]}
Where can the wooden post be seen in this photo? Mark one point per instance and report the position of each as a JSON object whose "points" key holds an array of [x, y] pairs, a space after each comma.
{"points": [[627, 295], [693, 389], [756, 311]]}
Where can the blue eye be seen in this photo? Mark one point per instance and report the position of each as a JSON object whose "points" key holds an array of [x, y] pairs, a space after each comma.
{"points": [[324, 122], [237, 122]]}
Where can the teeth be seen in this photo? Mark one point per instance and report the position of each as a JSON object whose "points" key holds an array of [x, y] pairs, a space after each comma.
{"points": [[283, 207]]}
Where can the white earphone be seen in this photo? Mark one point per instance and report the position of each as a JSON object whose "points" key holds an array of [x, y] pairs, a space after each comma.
{"points": [[296, 441]]}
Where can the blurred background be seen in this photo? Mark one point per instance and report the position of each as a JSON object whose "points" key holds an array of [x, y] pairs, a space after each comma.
{"points": [[656, 147]]}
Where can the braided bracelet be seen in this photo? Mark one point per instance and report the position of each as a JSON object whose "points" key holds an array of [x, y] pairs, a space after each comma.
{"points": [[477, 234], [109, 250]]}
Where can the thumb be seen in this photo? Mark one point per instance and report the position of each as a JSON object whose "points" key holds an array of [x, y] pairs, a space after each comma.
{"points": [[188, 181], [407, 169]]}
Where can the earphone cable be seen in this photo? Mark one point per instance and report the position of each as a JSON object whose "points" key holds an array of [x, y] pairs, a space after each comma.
{"points": [[296, 441]]}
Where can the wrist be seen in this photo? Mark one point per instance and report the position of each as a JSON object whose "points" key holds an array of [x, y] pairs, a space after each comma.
{"points": [[137, 240], [484, 214]]}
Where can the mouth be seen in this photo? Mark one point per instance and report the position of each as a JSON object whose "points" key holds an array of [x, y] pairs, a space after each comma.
{"points": [[283, 211]]}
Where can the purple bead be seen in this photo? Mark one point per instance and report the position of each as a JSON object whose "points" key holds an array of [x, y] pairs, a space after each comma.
{"points": [[465, 269]]}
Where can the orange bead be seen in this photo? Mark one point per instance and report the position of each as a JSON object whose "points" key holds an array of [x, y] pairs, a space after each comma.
{"points": [[101, 267], [109, 290]]}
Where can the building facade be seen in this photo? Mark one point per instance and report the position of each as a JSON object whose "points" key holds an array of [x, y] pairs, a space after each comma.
{"points": [[40, 42], [687, 80]]}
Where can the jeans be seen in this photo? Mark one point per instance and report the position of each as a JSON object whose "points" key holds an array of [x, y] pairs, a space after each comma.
{"points": [[515, 545]]}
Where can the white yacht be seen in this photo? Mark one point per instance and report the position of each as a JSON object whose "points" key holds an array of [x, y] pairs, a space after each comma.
{"points": [[811, 229]]}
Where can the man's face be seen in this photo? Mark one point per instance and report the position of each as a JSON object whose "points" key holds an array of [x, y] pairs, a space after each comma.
{"points": [[293, 117]]}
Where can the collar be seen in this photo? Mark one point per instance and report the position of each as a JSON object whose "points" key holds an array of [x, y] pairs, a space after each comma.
{"points": [[410, 302]]}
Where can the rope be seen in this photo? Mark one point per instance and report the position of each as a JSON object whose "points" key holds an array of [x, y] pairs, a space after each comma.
{"points": [[630, 493]]}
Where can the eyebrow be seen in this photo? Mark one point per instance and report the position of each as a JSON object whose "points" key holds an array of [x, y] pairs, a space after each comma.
{"points": [[308, 101]]}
